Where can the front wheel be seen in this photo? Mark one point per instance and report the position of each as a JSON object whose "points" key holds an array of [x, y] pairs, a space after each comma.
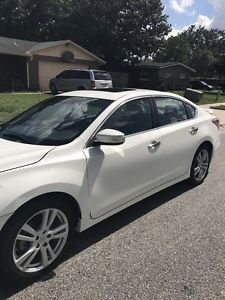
{"points": [[200, 165], [53, 89], [34, 240]]}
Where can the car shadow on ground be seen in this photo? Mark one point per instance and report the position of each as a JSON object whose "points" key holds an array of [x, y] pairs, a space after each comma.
{"points": [[80, 242]]}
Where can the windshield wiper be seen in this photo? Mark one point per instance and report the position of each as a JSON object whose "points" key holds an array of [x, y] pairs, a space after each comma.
{"points": [[15, 138]]}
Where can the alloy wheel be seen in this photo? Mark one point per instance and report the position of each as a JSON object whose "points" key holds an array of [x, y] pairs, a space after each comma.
{"points": [[40, 240], [201, 165]]}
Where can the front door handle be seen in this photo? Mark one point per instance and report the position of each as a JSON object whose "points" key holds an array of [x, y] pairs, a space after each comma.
{"points": [[154, 144], [193, 130]]}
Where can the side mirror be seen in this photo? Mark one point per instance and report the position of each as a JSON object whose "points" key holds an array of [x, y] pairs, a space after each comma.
{"points": [[57, 76], [109, 137]]}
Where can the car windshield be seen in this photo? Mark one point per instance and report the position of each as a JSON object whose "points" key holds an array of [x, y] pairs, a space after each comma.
{"points": [[102, 75], [55, 121]]}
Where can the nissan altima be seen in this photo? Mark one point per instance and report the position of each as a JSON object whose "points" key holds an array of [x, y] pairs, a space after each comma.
{"points": [[75, 159]]}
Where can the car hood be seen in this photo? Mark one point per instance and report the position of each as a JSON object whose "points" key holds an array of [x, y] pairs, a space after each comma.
{"points": [[14, 155]]}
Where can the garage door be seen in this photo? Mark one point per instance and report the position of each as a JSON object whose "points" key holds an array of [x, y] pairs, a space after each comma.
{"points": [[48, 70]]}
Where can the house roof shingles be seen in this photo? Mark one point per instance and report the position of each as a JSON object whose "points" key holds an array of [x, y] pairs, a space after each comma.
{"points": [[15, 46], [157, 65], [27, 48]]}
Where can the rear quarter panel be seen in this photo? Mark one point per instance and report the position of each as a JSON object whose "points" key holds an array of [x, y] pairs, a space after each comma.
{"points": [[208, 131]]}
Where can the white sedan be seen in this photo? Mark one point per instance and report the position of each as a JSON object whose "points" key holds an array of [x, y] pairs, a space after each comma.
{"points": [[80, 157]]}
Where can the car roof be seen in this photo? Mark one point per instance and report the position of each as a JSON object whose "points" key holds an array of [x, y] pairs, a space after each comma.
{"points": [[95, 70], [76, 70], [116, 94]]}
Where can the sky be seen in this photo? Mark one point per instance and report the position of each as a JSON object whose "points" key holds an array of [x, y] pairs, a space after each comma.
{"points": [[183, 13]]}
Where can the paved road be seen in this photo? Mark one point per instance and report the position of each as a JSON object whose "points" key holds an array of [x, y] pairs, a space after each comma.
{"points": [[170, 246]]}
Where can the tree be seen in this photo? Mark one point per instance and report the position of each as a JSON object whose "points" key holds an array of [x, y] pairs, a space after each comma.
{"points": [[208, 49], [32, 19], [119, 31], [175, 49], [202, 61], [202, 38], [198, 47]]}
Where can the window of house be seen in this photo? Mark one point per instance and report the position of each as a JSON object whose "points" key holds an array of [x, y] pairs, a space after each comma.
{"points": [[182, 76], [144, 75], [167, 75]]}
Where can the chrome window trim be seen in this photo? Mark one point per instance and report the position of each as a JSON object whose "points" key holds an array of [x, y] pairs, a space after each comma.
{"points": [[151, 98]]}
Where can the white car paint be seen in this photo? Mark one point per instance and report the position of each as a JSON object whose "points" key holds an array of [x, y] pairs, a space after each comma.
{"points": [[139, 167], [15, 155], [103, 180]]}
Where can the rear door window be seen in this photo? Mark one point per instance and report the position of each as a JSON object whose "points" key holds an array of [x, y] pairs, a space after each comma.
{"points": [[170, 111], [84, 75], [74, 74]]}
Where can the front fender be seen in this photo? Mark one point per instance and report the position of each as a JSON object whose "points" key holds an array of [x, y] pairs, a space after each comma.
{"points": [[21, 185], [8, 207]]}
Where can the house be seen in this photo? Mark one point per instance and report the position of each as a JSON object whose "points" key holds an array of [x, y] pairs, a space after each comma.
{"points": [[162, 76], [30, 65]]}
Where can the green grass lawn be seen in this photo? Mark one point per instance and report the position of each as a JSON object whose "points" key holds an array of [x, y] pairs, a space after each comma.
{"points": [[221, 107], [12, 104]]}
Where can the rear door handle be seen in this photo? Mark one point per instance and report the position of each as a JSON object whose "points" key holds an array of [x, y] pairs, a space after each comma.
{"points": [[154, 144], [193, 130]]}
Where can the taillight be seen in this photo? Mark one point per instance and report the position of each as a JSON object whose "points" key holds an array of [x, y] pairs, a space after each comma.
{"points": [[93, 84], [216, 122]]}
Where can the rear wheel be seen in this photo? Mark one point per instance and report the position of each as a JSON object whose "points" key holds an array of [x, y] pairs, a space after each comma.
{"points": [[200, 165], [33, 240]]}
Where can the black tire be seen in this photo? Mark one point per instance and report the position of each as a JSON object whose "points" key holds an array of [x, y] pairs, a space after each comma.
{"points": [[198, 176], [9, 244], [53, 89]]}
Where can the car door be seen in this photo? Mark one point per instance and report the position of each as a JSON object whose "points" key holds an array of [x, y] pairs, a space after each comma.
{"points": [[73, 80], [85, 79], [179, 133], [79, 80], [117, 174]]}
